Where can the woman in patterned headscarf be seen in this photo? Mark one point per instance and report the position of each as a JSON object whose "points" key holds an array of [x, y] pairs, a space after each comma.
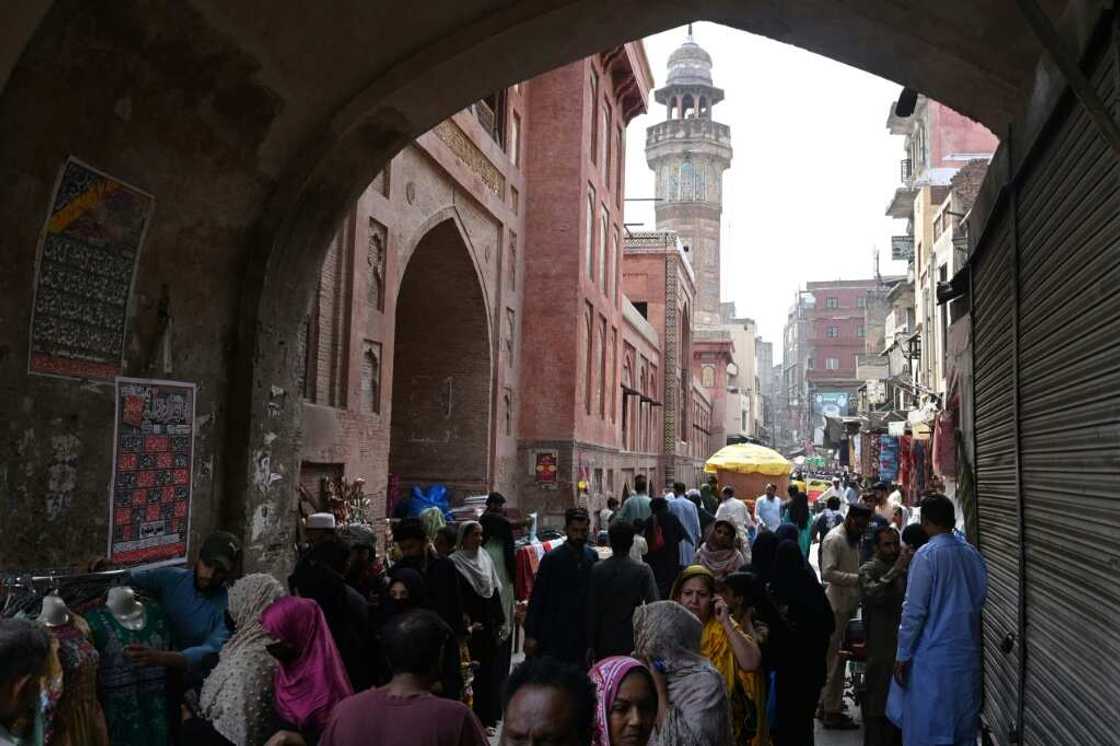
{"points": [[626, 707], [691, 694], [236, 697]]}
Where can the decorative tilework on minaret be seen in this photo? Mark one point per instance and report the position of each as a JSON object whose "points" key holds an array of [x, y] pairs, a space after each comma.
{"points": [[688, 152]]}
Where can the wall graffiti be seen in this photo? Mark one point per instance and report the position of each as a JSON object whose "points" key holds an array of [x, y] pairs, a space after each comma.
{"points": [[149, 513], [84, 274]]}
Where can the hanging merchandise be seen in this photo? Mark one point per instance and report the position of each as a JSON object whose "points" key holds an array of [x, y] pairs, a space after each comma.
{"points": [[888, 458], [134, 697], [919, 465], [945, 444], [857, 453], [77, 719], [905, 477]]}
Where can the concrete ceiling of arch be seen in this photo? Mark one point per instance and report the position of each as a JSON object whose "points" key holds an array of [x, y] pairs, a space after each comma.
{"points": [[426, 60]]}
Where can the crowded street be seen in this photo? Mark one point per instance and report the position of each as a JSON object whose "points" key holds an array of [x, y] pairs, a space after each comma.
{"points": [[629, 373]]}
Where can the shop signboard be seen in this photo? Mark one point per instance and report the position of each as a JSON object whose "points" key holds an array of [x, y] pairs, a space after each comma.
{"points": [[831, 403], [545, 468]]}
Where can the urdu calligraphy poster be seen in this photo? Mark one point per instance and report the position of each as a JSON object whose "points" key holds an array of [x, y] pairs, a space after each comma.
{"points": [[84, 274], [153, 452]]}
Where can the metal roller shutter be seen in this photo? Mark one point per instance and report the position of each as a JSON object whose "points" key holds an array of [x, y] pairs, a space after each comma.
{"points": [[997, 503], [1069, 424]]}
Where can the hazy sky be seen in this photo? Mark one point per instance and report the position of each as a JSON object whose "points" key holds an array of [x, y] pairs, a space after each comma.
{"points": [[813, 169]]}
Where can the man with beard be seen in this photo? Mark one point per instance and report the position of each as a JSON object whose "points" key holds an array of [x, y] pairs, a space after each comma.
{"points": [[24, 647], [195, 602], [882, 584], [556, 623], [840, 570]]}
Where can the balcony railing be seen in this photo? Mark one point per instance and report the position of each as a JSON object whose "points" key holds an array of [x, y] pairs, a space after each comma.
{"points": [[906, 170]]}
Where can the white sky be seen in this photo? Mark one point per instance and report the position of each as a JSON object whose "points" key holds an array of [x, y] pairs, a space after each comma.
{"points": [[813, 169]]}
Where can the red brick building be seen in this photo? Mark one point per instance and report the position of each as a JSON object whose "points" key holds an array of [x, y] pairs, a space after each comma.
{"points": [[503, 221], [834, 318]]}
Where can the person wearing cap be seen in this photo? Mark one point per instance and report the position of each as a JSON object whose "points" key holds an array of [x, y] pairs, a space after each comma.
{"points": [[320, 527], [195, 602]]}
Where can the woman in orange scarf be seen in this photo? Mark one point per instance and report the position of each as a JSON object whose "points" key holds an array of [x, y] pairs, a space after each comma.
{"points": [[731, 649]]}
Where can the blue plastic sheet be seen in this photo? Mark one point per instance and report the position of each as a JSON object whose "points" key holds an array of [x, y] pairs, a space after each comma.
{"points": [[434, 497]]}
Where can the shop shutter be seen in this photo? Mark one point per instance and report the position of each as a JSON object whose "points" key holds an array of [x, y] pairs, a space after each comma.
{"points": [[997, 501], [1069, 428]]}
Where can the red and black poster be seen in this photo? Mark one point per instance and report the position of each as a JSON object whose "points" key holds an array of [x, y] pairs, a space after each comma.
{"points": [[546, 468], [150, 510]]}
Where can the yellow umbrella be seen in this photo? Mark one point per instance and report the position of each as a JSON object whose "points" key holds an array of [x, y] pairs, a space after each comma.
{"points": [[748, 458]]}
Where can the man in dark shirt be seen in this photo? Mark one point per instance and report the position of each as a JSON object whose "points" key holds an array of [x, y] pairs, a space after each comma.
{"points": [[556, 622], [404, 710], [872, 500], [619, 585], [441, 581]]}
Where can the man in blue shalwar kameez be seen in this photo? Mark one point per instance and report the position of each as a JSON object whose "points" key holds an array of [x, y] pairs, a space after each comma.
{"points": [[935, 697]]}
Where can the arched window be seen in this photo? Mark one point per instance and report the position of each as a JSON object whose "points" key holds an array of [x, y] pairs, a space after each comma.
{"points": [[708, 377], [589, 239], [590, 355], [687, 181], [612, 270], [603, 221]]}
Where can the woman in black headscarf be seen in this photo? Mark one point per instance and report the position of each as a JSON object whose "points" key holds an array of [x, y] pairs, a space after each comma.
{"points": [[403, 592], [799, 643], [762, 555], [664, 533]]}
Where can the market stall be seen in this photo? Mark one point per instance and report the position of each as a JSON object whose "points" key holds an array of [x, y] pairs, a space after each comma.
{"points": [[749, 468]]}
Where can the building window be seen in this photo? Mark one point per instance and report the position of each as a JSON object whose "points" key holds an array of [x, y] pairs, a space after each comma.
{"points": [[603, 221], [612, 270], [512, 261], [602, 367], [832, 302], [590, 237], [614, 374], [588, 316], [606, 162], [375, 265], [861, 302], [861, 332], [594, 115], [834, 331], [832, 363], [371, 377], [810, 364], [708, 376], [511, 322], [620, 156], [514, 200], [515, 139]]}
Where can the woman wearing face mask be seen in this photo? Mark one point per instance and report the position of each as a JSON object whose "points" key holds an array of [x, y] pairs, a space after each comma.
{"points": [[626, 708], [730, 648], [236, 698], [692, 700], [310, 679]]}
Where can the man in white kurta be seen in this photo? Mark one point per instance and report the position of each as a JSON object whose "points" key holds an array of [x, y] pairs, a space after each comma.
{"points": [[935, 697]]}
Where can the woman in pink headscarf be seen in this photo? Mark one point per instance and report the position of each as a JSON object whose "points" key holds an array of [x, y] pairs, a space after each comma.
{"points": [[626, 708], [310, 679]]}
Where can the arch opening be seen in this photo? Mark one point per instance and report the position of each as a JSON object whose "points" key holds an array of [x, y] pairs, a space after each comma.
{"points": [[440, 431]]}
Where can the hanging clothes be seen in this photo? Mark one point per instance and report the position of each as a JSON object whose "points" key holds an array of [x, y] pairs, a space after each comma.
{"points": [[905, 474], [919, 465], [888, 457], [77, 718], [134, 698], [945, 444]]}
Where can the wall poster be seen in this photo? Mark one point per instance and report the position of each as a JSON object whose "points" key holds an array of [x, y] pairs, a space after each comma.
{"points": [[153, 445], [84, 273]]}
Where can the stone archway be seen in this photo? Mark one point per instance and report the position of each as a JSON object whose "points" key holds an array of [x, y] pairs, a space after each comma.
{"points": [[442, 368], [256, 131]]}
